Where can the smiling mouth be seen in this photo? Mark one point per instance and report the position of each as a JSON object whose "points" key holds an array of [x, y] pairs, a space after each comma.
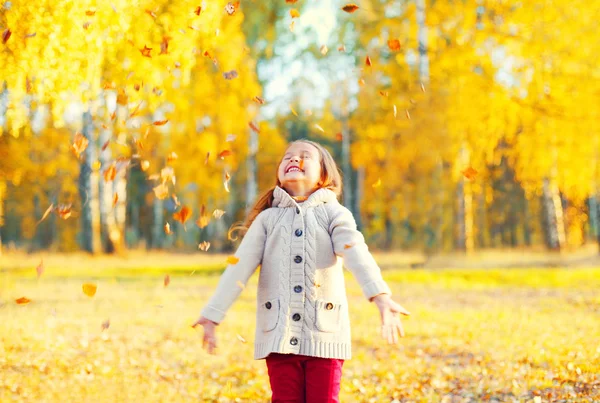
{"points": [[293, 169]]}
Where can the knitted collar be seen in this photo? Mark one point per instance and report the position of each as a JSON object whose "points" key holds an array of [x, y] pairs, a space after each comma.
{"points": [[281, 198]]}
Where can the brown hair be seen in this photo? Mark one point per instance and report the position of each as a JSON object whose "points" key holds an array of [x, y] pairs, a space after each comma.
{"points": [[330, 179]]}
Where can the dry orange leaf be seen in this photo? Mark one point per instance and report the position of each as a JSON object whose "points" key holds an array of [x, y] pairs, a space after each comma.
{"points": [[258, 100], [204, 245], [167, 280], [89, 289], [172, 157], [232, 260], [6, 35], [339, 136], [469, 173], [110, 173], [394, 44], [225, 153], [350, 8], [377, 183], [161, 191], [90, 13], [22, 300], [254, 127], [368, 61], [115, 200], [80, 143], [63, 211], [342, 48], [204, 218], [383, 93], [291, 1], [168, 229], [198, 10], [182, 215], [361, 81], [294, 13], [160, 122], [146, 51]]}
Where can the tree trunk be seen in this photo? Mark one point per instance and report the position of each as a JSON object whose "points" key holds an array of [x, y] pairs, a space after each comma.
{"points": [[359, 191], [88, 191], [464, 217], [157, 223], [553, 215]]}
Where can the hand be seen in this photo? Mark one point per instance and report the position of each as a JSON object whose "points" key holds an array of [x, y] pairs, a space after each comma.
{"points": [[390, 318], [210, 338]]}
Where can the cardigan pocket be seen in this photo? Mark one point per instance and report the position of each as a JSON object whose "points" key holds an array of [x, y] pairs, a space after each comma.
{"points": [[328, 316], [268, 315]]}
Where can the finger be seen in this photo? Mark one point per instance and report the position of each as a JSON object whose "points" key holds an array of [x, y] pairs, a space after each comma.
{"points": [[401, 329], [400, 309]]}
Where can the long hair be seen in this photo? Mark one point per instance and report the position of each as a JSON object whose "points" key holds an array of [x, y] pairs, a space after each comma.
{"points": [[330, 179]]}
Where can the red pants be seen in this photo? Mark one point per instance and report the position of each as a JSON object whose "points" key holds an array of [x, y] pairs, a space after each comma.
{"points": [[299, 378]]}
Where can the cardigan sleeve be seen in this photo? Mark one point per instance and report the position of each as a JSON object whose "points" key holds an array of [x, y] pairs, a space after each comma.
{"points": [[250, 254], [350, 244]]}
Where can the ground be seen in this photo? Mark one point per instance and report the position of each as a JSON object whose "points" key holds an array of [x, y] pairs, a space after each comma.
{"points": [[509, 335]]}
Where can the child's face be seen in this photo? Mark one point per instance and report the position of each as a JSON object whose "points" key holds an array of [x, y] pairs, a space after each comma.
{"points": [[300, 169]]}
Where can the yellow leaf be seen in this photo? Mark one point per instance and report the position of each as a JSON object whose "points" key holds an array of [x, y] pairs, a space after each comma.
{"points": [[89, 289], [294, 13], [232, 260]]}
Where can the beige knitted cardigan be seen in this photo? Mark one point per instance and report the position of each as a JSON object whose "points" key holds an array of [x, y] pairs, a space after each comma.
{"points": [[301, 303]]}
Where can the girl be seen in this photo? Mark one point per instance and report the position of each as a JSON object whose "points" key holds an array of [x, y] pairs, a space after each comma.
{"points": [[295, 233]]}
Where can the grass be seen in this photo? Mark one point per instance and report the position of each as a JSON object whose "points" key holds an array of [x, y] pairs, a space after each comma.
{"points": [[509, 335]]}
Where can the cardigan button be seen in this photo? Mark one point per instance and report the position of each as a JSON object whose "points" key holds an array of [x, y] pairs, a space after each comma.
{"points": [[293, 341], [329, 306], [298, 232], [298, 288], [298, 259], [268, 305], [296, 317], [297, 210]]}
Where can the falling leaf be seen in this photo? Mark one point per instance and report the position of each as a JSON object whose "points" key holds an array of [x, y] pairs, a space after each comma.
{"points": [[348, 245], [383, 93], [230, 138], [240, 338], [110, 173], [230, 7], [258, 100], [395, 111], [182, 215], [342, 48], [115, 200], [145, 164], [339, 136], [378, 183], [46, 213], [90, 13], [167, 174], [422, 87], [294, 13], [350, 8], [168, 229], [89, 289], [368, 61], [324, 50], [226, 182], [291, 1], [40, 269], [232, 260], [63, 211], [407, 114], [96, 165], [105, 324], [319, 128], [292, 25], [204, 246], [86, 25], [164, 45], [230, 75], [167, 280], [225, 153], [172, 157], [22, 300], [218, 213], [146, 51], [361, 81], [175, 200], [394, 45], [204, 218], [79, 145], [151, 13], [293, 111], [469, 173], [198, 10], [6, 35], [254, 127], [161, 191], [31, 35], [206, 159], [240, 284], [160, 122]]}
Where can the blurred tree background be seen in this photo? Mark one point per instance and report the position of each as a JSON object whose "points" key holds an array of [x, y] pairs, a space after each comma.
{"points": [[458, 125]]}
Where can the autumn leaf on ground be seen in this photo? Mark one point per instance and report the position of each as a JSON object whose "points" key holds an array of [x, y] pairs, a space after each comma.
{"points": [[40, 269], [232, 260], [218, 213], [167, 280], [161, 191], [105, 324], [469, 173], [46, 213], [89, 289], [204, 246], [146, 51], [168, 229], [368, 61], [350, 8], [22, 300], [160, 122], [294, 13], [63, 211], [230, 75], [182, 215], [394, 44], [254, 127], [110, 173], [6, 35], [204, 218], [80, 143]]}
